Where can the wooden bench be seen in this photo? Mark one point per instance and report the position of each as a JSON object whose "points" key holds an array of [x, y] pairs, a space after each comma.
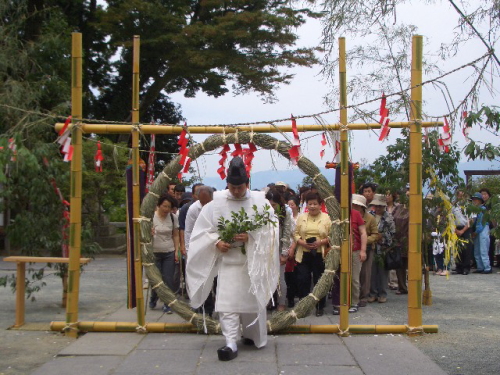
{"points": [[21, 279]]}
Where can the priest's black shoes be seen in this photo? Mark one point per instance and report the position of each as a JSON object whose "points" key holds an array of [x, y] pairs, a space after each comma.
{"points": [[226, 353]]}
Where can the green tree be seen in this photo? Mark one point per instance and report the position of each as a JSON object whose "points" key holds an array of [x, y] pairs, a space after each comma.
{"points": [[488, 118], [383, 52]]}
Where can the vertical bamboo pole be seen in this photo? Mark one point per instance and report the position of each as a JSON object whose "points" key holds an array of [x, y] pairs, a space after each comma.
{"points": [[20, 291], [415, 223], [345, 251], [75, 229], [136, 190]]}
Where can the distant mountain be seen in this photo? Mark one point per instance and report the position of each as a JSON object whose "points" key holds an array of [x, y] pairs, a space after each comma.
{"points": [[294, 177]]}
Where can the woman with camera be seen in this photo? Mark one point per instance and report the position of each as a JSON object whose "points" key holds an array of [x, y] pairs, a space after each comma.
{"points": [[311, 235]]}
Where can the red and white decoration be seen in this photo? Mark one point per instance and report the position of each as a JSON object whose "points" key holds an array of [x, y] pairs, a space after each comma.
{"points": [[222, 162], [185, 160], [98, 158], [247, 154], [384, 119], [65, 141], [248, 157], [445, 140], [295, 152], [150, 175], [323, 145]]}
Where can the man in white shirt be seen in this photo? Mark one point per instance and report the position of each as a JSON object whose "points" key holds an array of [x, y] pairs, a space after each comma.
{"points": [[205, 195]]}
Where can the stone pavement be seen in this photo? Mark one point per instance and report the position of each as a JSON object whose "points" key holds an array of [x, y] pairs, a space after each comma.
{"points": [[173, 353]]}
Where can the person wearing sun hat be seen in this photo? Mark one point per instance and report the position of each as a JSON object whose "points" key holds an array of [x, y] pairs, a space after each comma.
{"points": [[386, 230], [371, 239], [481, 235], [358, 230], [246, 279]]}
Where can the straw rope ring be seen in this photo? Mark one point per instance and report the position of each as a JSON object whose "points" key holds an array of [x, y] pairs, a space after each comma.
{"points": [[279, 320]]}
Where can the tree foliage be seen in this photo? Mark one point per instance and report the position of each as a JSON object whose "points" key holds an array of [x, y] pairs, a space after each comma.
{"points": [[488, 118], [383, 51], [187, 46]]}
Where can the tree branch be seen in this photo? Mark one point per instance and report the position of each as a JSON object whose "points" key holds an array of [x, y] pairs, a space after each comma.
{"points": [[466, 19]]}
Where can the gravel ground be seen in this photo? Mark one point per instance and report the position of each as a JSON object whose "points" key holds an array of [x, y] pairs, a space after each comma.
{"points": [[465, 308], [103, 290]]}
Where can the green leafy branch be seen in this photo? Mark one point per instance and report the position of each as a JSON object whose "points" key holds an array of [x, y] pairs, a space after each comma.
{"points": [[241, 223]]}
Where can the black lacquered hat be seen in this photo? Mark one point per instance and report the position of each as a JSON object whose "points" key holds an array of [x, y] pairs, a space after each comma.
{"points": [[236, 173]]}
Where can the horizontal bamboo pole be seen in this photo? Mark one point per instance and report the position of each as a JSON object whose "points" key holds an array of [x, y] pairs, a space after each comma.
{"points": [[189, 328], [177, 129]]}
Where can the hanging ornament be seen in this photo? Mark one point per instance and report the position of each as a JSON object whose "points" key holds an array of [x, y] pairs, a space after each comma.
{"points": [[98, 158], [323, 145], [183, 152], [65, 141], [444, 141], [295, 152], [222, 162], [384, 119], [248, 157]]}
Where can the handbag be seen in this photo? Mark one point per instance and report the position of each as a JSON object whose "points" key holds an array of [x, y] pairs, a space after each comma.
{"points": [[393, 259]]}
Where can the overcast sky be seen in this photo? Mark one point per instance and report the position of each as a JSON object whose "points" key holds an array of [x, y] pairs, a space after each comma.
{"points": [[305, 95]]}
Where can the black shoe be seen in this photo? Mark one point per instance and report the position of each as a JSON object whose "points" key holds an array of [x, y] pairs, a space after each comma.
{"points": [[478, 271], [291, 303], [486, 272], [226, 353], [152, 304], [336, 311], [320, 312], [247, 341]]}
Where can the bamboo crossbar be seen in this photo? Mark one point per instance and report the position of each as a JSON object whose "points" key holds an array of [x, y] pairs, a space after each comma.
{"points": [[209, 129], [189, 328]]}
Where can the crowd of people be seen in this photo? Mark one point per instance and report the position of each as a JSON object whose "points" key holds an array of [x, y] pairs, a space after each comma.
{"points": [[184, 228]]}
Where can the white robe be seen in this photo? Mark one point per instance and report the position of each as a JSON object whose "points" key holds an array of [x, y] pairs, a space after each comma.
{"points": [[246, 282]]}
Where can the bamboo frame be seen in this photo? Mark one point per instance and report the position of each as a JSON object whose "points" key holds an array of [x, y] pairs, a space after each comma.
{"points": [[415, 220], [189, 328], [345, 249], [136, 189], [21, 279], [76, 186], [220, 129], [72, 326]]}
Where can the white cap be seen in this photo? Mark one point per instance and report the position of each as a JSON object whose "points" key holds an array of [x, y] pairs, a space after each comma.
{"points": [[359, 200]]}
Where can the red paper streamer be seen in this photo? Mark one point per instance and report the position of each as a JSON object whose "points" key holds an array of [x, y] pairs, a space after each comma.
{"points": [[222, 169], [323, 144], [295, 151], [65, 126], [384, 119], [248, 157], [444, 141], [183, 152], [98, 158]]}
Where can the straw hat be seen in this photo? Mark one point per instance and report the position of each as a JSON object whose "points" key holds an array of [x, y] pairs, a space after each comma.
{"points": [[379, 200], [359, 200]]}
